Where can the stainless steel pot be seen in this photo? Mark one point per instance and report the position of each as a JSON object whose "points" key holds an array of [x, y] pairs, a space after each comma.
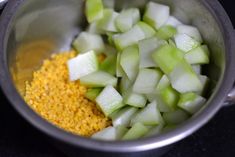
{"points": [[48, 26]]}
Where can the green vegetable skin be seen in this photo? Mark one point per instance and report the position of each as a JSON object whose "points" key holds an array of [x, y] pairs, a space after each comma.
{"points": [[109, 100], [166, 32], [199, 55], [138, 130], [147, 29], [120, 131], [107, 23], [130, 61], [151, 79], [175, 117], [109, 65], [150, 115], [167, 97], [127, 19], [171, 42], [137, 33], [123, 116], [191, 102], [119, 71], [94, 10], [184, 79], [92, 93], [167, 57], [135, 100], [125, 84], [155, 130], [98, 79], [180, 73], [146, 48]]}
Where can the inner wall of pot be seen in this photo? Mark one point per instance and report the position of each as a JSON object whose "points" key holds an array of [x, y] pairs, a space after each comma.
{"points": [[43, 27]]}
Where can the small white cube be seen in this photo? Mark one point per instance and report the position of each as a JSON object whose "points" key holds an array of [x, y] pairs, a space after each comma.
{"points": [[82, 65], [109, 100]]}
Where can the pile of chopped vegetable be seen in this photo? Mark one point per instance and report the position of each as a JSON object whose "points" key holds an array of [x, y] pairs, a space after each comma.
{"points": [[150, 79]]}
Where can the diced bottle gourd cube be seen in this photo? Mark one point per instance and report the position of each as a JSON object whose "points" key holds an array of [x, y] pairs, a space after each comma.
{"points": [[130, 61], [191, 102], [137, 131], [176, 117], [156, 14], [94, 10], [173, 21], [190, 31], [92, 93], [82, 65], [166, 32], [184, 79], [98, 79], [146, 81], [109, 100], [89, 42], [199, 55], [124, 116], [107, 23], [109, 65], [146, 48], [167, 57], [127, 19], [149, 115], [134, 99], [185, 43], [107, 134]]}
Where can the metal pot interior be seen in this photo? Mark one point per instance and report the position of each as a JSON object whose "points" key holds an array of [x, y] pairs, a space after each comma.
{"points": [[43, 27]]}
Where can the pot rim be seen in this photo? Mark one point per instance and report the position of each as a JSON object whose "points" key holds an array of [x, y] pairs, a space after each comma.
{"points": [[189, 127]]}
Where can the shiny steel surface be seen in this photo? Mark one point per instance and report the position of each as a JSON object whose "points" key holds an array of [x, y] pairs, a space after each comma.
{"points": [[2, 3], [32, 30]]}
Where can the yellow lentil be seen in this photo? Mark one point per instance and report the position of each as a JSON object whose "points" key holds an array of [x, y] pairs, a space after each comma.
{"points": [[62, 102]]}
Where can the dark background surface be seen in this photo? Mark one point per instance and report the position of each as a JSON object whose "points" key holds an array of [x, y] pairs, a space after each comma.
{"points": [[217, 138]]}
